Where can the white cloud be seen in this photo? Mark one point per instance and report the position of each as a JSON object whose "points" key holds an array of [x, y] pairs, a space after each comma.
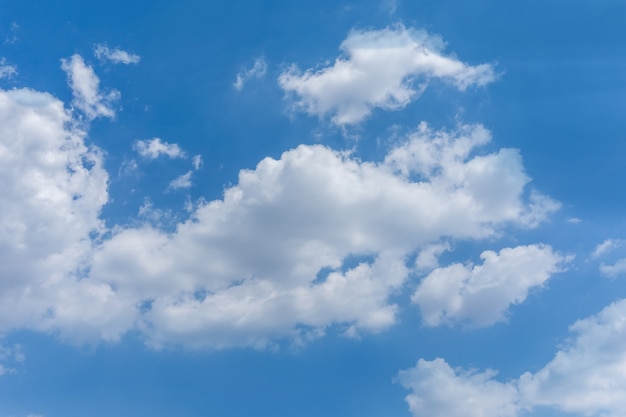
{"points": [[243, 270], [587, 377], [258, 70], [482, 294], [7, 70], [440, 391], [184, 181], [428, 258], [85, 86], [197, 162], [605, 247], [53, 187], [379, 69], [153, 148], [612, 271], [115, 55]]}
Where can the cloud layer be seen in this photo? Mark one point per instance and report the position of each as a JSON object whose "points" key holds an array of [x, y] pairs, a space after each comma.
{"points": [[378, 69]]}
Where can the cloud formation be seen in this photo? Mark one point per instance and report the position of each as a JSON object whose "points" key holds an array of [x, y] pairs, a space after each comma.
{"points": [[480, 295], [53, 187], [586, 377], [244, 269], [85, 86], [115, 55], [153, 148], [258, 70], [384, 69], [272, 259]]}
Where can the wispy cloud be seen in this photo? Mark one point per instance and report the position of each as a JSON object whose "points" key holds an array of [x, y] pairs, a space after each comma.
{"points": [[258, 70], [115, 55], [7, 70], [85, 86], [184, 181]]}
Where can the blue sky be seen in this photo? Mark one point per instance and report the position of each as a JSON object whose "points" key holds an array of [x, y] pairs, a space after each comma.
{"points": [[374, 209]]}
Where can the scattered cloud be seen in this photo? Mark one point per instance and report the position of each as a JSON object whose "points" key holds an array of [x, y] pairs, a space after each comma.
{"points": [[153, 148], [115, 55], [482, 294], [85, 86], [12, 355], [197, 162], [7, 70], [384, 69], [585, 377], [614, 270], [258, 70], [184, 181], [605, 247], [12, 37]]}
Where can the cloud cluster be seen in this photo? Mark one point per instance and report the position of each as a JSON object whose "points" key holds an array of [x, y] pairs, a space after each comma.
{"points": [[244, 270], [384, 69], [586, 376], [248, 269]]}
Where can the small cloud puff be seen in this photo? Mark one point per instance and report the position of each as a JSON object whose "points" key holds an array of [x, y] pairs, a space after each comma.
{"points": [[115, 55], [258, 71], [153, 148], [184, 181]]}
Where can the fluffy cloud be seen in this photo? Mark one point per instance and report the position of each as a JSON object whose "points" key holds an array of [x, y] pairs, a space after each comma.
{"points": [[115, 55], [440, 391], [85, 86], [587, 376], [258, 70], [274, 258], [378, 69], [153, 148], [482, 294], [244, 270], [53, 187]]}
